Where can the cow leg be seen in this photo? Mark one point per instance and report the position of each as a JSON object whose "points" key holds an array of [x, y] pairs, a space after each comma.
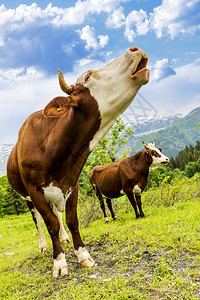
{"points": [[103, 208], [53, 226], [131, 198], [62, 233], [109, 203], [139, 203], [101, 200], [83, 255], [38, 223]]}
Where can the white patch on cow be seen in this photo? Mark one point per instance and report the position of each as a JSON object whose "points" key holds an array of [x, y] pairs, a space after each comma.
{"points": [[62, 233], [53, 194], [60, 264], [137, 190], [114, 89], [42, 240], [157, 161]]}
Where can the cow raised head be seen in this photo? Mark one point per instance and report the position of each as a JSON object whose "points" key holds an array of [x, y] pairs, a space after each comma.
{"points": [[157, 157], [54, 143], [113, 87]]}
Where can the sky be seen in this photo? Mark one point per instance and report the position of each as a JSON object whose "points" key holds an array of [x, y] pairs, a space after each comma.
{"points": [[37, 37]]}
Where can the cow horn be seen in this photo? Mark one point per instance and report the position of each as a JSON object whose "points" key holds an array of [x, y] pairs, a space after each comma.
{"points": [[64, 87], [145, 145]]}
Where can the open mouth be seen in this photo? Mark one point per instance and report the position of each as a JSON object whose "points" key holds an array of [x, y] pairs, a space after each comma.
{"points": [[141, 65], [164, 162]]}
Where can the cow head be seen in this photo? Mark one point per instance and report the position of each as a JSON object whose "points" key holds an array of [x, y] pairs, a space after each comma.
{"points": [[157, 157], [113, 86]]}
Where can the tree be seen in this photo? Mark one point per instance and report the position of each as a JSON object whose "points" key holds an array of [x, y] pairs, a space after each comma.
{"points": [[190, 169], [10, 201]]}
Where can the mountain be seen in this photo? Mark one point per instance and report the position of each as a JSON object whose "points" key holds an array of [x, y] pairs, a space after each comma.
{"points": [[145, 126], [4, 153], [173, 138]]}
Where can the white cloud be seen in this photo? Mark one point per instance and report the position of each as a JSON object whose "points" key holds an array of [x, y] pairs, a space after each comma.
{"points": [[18, 19], [136, 23], [161, 70], [87, 34], [84, 62], [178, 93], [12, 76], [103, 40], [173, 17], [116, 19]]}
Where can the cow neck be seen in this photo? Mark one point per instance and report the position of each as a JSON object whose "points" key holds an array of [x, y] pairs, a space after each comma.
{"points": [[79, 129], [140, 162]]}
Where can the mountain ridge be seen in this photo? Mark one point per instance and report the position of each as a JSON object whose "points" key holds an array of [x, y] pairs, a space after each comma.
{"points": [[182, 132]]}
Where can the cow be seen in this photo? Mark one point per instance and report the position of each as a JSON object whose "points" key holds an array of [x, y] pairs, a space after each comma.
{"points": [[54, 143], [128, 176]]}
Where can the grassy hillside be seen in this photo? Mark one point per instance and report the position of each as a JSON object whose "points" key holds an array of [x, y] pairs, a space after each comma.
{"points": [[152, 258], [184, 131]]}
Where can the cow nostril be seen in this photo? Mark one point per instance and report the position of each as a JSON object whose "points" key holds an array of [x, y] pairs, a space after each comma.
{"points": [[133, 49]]}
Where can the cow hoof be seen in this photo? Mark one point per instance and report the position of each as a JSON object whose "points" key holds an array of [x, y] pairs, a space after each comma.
{"points": [[42, 249], [84, 257], [62, 271], [65, 240], [106, 220], [115, 218], [87, 262], [60, 266]]}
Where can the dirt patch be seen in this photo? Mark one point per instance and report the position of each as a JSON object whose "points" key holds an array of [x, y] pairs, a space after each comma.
{"points": [[122, 263]]}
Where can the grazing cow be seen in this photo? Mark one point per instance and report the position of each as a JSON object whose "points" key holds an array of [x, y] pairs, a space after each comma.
{"points": [[54, 143], [127, 176]]}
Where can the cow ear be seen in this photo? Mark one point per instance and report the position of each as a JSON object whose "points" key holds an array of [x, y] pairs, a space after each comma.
{"points": [[160, 149], [59, 106]]}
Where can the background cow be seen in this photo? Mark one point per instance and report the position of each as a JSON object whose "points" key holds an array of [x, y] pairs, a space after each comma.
{"points": [[127, 176], [54, 143]]}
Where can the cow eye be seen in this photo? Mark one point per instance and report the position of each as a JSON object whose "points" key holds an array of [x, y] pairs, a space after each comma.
{"points": [[87, 76]]}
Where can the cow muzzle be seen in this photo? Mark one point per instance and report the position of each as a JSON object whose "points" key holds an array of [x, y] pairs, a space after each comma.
{"points": [[139, 70], [166, 161]]}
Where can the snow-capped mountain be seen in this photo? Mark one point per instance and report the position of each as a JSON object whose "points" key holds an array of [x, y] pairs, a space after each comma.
{"points": [[4, 153], [144, 126]]}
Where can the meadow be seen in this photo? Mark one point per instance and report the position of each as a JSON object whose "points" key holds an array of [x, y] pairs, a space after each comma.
{"points": [[157, 257]]}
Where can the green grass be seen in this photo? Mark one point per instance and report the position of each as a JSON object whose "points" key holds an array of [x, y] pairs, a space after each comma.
{"points": [[153, 258]]}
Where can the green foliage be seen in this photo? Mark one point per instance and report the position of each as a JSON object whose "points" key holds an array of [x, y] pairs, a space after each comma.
{"points": [[10, 201], [106, 152], [178, 190], [188, 154]]}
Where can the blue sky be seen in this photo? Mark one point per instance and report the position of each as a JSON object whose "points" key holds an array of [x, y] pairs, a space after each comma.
{"points": [[37, 37]]}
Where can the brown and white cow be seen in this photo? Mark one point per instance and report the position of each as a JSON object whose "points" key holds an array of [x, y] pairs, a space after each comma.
{"points": [[54, 143], [127, 176]]}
